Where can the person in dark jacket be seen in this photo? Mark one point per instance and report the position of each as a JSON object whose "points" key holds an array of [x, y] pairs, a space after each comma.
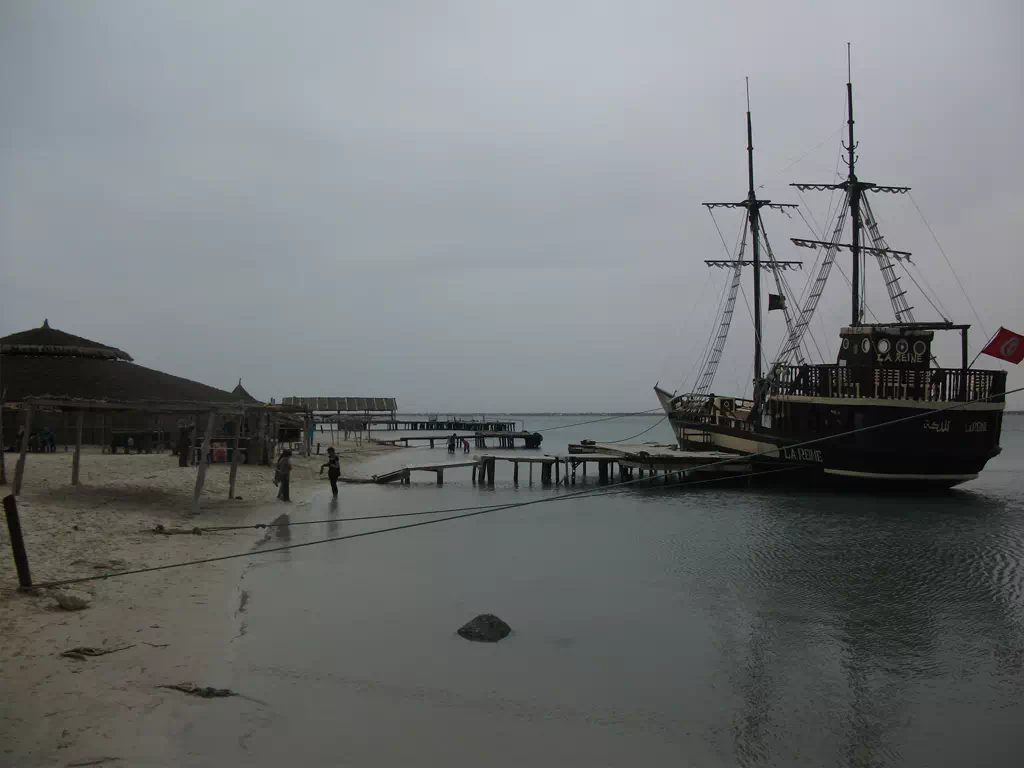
{"points": [[284, 472], [333, 466]]}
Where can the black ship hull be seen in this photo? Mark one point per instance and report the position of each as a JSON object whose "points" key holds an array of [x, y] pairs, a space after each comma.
{"points": [[853, 443]]}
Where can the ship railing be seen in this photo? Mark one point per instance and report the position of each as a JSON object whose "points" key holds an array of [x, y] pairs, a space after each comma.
{"points": [[930, 385]]}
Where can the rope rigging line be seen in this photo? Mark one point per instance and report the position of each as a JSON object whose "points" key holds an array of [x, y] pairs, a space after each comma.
{"points": [[948, 262], [638, 434], [589, 492]]}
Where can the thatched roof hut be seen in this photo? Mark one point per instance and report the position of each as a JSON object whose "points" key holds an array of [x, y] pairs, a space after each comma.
{"points": [[241, 394], [46, 362]]}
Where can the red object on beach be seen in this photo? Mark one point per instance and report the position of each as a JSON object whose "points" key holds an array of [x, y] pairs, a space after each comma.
{"points": [[1006, 345]]}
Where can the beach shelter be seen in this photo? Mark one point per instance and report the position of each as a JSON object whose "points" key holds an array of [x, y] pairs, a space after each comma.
{"points": [[46, 370]]}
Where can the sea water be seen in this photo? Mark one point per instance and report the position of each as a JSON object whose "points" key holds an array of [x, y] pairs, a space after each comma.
{"points": [[660, 626]]}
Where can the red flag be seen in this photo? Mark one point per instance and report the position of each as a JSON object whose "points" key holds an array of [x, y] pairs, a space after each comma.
{"points": [[1006, 345]]}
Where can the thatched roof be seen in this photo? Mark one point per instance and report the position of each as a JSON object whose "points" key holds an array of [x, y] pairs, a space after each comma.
{"points": [[241, 394], [49, 341], [94, 378], [47, 363]]}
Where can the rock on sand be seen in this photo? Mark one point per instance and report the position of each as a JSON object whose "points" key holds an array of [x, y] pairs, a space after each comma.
{"points": [[485, 628], [72, 600]]}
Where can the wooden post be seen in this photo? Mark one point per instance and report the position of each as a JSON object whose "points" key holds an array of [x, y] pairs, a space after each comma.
{"points": [[273, 437], [490, 471], [79, 418], [474, 473], [261, 447], [17, 542], [558, 467], [515, 473], [235, 456], [531, 473], [602, 472], [201, 471], [19, 469], [3, 445], [440, 477]]}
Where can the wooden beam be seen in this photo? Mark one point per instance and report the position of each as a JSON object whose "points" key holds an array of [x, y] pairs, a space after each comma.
{"points": [[3, 445], [19, 469], [75, 461], [235, 455], [261, 448], [201, 462]]}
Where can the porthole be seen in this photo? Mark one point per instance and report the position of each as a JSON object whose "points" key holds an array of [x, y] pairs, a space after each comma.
{"points": [[865, 345], [919, 347], [882, 346], [846, 343], [902, 346]]}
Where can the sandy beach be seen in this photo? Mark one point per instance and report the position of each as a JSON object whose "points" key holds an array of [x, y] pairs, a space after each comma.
{"points": [[170, 624]]}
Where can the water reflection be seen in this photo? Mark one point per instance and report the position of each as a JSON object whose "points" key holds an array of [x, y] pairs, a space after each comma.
{"points": [[862, 602]]}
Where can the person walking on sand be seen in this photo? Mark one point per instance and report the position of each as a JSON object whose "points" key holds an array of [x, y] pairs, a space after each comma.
{"points": [[333, 469], [284, 471]]}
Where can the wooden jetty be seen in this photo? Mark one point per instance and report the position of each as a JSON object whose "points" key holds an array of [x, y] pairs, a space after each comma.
{"points": [[448, 424], [403, 474], [504, 439], [614, 463]]}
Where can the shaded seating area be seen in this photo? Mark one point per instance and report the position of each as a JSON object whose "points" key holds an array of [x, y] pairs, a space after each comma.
{"points": [[49, 375]]}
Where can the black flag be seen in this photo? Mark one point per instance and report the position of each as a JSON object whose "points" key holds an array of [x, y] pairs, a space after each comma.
{"points": [[776, 302]]}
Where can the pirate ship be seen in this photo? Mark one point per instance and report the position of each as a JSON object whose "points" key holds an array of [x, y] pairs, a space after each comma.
{"points": [[884, 412]]}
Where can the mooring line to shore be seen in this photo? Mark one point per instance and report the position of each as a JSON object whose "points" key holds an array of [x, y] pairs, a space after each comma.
{"points": [[618, 488], [286, 547]]}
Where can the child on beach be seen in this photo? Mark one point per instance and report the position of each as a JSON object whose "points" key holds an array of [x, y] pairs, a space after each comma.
{"points": [[333, 469], [284, 470]]}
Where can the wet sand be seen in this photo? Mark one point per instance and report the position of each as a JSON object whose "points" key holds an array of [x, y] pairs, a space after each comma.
{"points": [[179, 622]]}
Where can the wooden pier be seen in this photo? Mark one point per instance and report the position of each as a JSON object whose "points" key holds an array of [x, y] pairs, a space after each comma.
{"points": [[448, 424], [610, 464], [504, 439]]}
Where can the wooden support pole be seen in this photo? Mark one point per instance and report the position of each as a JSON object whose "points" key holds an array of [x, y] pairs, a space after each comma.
{"points": [[235, 456], [440, 477], [531, 473], [515, 473], [490, 471], [261, 447], [76, 459], [558, 467], [602, 472], [3, 445], [17, 542], [201, 463], [19, 469], [474, 473]]}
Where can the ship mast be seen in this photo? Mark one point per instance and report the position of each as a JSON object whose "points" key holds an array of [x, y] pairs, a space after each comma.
{"points": [[855, 193], [859, 209], [753, 206]]}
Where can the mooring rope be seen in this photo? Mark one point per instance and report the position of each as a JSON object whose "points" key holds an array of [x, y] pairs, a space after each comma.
{"points": [[515, 505]]}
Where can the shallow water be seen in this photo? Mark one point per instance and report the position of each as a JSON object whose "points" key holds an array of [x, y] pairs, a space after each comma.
{"points": [[704, 626]]}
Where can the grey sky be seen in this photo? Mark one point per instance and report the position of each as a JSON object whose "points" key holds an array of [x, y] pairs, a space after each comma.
{"points": [[477, 205]]}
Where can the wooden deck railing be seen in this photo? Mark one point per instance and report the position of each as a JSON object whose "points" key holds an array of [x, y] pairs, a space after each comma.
{"points": [[932, 385]]}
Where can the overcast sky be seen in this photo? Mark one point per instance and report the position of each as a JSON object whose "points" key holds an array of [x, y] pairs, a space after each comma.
{"points": [[481, 206]]}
